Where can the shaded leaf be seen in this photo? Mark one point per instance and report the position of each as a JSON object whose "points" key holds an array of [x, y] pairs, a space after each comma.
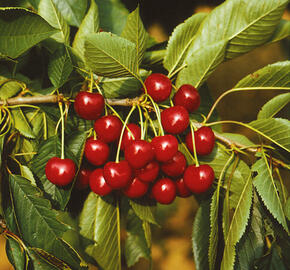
{"points": [[21, 123], [282, 31], [144, 209], [40, 263], [16, 32], [153, 58], [8, 87], [16, 254]]}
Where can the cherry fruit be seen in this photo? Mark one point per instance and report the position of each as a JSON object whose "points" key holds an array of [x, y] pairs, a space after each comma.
{"points": [[60, 172], [129, 136], [139, 153], [98, 183], [96, 151], [164, 191], [148, 173], [117, 174], [88, 105], [82, 181], [136, 189], [181, 189], [198, 179], [188, 97], [175, 119], [175, 166], [108, 128], [158, 86], [204, 141], [165, 147]]}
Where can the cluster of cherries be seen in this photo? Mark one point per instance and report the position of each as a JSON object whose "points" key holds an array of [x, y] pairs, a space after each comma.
{"points": [[154, 168]]}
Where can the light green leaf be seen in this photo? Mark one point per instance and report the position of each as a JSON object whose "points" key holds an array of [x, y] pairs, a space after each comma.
{"points": [[200, 236], [89, 25], [144, 209], [273, 106], [135, 245], [282, 31], [135, 32], [287, 208], [276, 130], [72, 11], [265, 185], [110, 56], [8, 87], [16, 32], [59, 67], [242, 139], [238, 225], [48, 10], [106, 250], [34, 216], [180, 40], [21, 123], [27, 173]]}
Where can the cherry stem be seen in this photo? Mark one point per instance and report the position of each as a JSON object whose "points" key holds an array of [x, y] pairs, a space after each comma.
{"points": [[91, 83], [192, 128], [141, 122], [62, 129], [151, 122], [122, 132]]}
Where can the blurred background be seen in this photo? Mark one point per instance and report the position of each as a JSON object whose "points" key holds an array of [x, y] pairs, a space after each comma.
{"points": [[172, 242]]}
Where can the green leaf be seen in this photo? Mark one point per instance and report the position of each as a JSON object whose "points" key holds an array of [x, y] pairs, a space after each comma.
{"points": [[110, 56], [72, 11], [48, 10], [59, 67], [273, 106], [34, 216], [287, 208], [27, 173], [135, 245], [135, 32], [242, 139], [265, 185], [21, 123], [238, 225], [106, 250], [249, 30], [89, 25], [276, 130], [110, 10], [200, 236], [16, 33], [282, 31], [8, 87], [39, 263], [153, 58], [16, 254], [144, 209], [180, 40]]}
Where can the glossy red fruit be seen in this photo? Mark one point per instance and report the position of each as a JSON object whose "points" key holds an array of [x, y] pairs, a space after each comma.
{"points": [[136, 188], [198, 179], [117, 174], [204, 141], [158, 86], [188, 97], [175, 166], [60, 172], [139, 153], [98, 183], [148, 173], [164, 191], [96, 151], [181, 188], [83, 177], [175, 119], [88, 105], [165, 147], [129, 136], [108, 128]]}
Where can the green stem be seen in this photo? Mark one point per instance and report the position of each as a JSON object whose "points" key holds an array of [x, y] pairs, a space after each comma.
{"points": [[119, 231], [192, 128], [151, 123], [281, 184], [141, 122], [171, 74], [44, 126], [62, 130]]}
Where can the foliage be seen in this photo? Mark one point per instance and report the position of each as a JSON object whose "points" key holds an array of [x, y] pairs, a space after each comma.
{"points": [[99, 45]]}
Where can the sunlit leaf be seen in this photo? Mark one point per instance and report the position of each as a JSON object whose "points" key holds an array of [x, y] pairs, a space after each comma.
{"points": [[21, 123], [144, 209], [8, 87]]}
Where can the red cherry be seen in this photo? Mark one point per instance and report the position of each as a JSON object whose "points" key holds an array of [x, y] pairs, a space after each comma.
{"points": [[164, 191], [136, 189], [165, 147], [96, 151], [204, 141], [60, 172], [198, 179], [139, 153], [88, 105], [158, 86], [181, 188], [108, 128], [127, 136], [82, 181], [117, 174], [175, 119], [148, 173], [188, 97], [175, 166], [98, 183]]}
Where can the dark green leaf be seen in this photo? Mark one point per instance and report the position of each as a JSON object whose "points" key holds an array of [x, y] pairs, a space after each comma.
{"points": [[16, 254], [16, 32], [153, 59], [39, 263], [287, 209], [144, 209], [282, 31], [21, 123]]}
